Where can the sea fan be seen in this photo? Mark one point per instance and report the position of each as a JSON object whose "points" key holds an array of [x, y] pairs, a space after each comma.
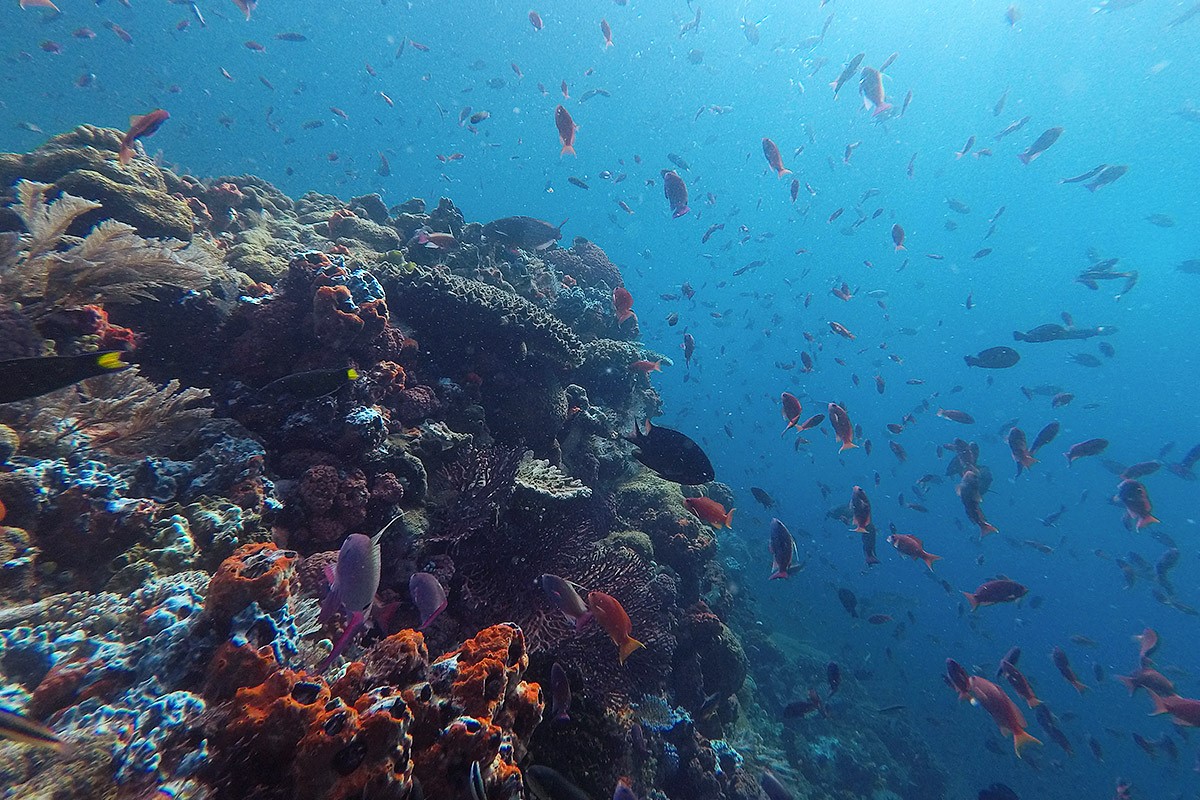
{"points": [[112, 265], [123, 414]]}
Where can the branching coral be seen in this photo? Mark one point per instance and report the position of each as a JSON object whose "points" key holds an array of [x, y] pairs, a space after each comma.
{"points": [[112, 264], [123, 415]]}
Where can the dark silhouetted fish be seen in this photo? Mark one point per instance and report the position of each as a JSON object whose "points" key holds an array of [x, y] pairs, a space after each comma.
{"points": [[25, 378], [526, 233], [994, 358], [672, 455]]}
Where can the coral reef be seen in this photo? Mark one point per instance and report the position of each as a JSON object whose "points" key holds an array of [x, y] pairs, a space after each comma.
{"points": [[168, 532]]}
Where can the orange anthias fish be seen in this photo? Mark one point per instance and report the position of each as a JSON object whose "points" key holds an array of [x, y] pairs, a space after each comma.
{"points": [[860, 505], [791, 410], [247, 7], [607, 31], [871, 86], [623, 304], [771, 151], [710, 511], [1003, 710], [566, 130], [646, 367], [140, 127], [842, 428], [912, 547], [609, 612], [1136, 499]]}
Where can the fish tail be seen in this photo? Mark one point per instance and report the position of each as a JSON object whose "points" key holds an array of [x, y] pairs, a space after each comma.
{"points": [[1128, 683], [582, 620], [629, 646], [882, 108], [1024, 159], [112, 360], [1023, 739], [899, 247], [567, 150], [1034, 702], [783, 171], [729, 518], [1027, 460], [846, 446], [1080, 686], [1160, 707], [1149, 519], [929, 558], [778, 575], [125, 155], [679, 212], [971, 598], [987, 528]]}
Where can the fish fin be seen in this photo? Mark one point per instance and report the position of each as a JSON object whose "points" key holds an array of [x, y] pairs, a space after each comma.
{"points": [[971, 597], [582, 620], [629, 646], [846, 446], [1034, 702], [1021, 740], [987, 528], [1160, 706], [882, 108], [357, 620], [567, 150], [1128, 683], [125, 155], [929, 558], [1080, 686], [778, 574], [375, 539], [729, 518], [1149, 519]]}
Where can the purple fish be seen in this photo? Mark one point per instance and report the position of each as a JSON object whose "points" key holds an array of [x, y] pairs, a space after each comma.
{"points": [[560, 694], [428, 596], [354, 580], [566, 598]]}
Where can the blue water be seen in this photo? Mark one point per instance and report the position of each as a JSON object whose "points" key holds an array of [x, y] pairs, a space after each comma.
{"points": [[1112, 80]]}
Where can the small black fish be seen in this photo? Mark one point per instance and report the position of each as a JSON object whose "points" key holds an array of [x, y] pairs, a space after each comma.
{"points": [[994, 358], [672, 455], [833, 674], [25, 378], [310, 385], [577, 182], [849, 602], [762, 497], [997, 791]]}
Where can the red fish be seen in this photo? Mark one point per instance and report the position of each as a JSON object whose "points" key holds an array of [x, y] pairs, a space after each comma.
{"points": [[689, 348], [860, 506], [954, 415], [811, 422], [1136, 500], [991, 593], [38, 4], [771, 151], [841, 330], [1019, 683], [607, 31], [1149, 679], [1147, 643], [623, 304], [676, 193], [791, 410], [842, 428], [535, 19], [1003, 710], [898, 236], [121, 33], [1063, 664], [566, 130], [1091, 447], [611, 615], [645, 367], [912, 547], [1185, 712], [140, 127], [247, 6], [871, 86], [1020, 451], [972, 499], [710, 511]]}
